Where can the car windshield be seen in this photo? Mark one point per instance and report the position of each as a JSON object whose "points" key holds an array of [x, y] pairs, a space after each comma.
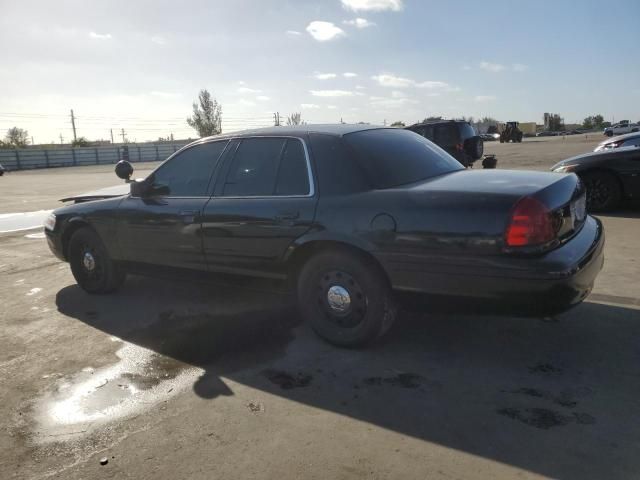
{"points": [[392, 157]]}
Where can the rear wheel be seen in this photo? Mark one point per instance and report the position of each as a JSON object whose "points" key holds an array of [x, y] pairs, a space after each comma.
{"points": [[91, 265], [346, 300], [603, 191]]}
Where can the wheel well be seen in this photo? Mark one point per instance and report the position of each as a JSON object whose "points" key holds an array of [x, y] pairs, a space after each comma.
{"points": [[66, 236], [303, 253], [613, 173]]}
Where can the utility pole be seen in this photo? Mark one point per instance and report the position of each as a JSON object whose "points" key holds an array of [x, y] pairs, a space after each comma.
{"points": [[276, 119], [172, 136], [73, 124], [111, 135], [32, 142], [61, 139], [124, 140]]}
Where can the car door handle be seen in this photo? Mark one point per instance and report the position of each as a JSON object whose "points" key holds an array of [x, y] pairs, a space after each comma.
{"points": [[283, 216]]}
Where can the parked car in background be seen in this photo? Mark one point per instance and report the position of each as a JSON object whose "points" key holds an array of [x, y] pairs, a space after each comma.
{"points": [[2, 170], [347, 214], [457, 137], [609, 176], [621, 129], [490, 137], [627, 140], [547, 134]]}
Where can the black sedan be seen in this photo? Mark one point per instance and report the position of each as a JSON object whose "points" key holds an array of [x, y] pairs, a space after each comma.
{"points": [[609, 176], [349, 214]]}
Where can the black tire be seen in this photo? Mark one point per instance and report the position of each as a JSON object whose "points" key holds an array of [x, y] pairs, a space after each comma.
{"points": [[603, 191], [609, 134], [91, 265], [369, 311], [634, 130], [474, 147]]}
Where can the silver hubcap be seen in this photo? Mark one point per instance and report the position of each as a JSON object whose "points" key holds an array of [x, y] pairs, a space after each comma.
{"points": [[338, 299], [88, 261]]}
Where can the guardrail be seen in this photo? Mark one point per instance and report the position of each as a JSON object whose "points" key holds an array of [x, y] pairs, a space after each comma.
{"points": [[29, 158]]}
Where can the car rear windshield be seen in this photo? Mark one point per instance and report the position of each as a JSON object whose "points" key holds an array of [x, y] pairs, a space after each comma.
{"points": [[392, 157]]}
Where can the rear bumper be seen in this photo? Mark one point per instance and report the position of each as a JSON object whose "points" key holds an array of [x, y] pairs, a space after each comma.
{"points": [[520, 285]]}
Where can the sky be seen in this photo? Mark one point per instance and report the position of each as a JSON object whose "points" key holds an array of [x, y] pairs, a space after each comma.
{"points": [[138, 65]]}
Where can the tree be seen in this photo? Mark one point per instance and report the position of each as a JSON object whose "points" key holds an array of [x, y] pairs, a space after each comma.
{"points": [[295, 119], [16, 138], [587, 123], [432, 119], [80, 142], [556, 123], [598, 121], [207, 115], [398, 124]]}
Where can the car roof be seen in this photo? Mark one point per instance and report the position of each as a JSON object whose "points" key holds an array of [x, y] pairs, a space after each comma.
{"points": [[338, 129], [614, 152], [435, 122]]}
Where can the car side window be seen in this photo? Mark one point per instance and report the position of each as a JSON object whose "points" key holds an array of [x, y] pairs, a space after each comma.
{"points": [[338, 172], [188, 173], [632, 142], [293, 174], [254, 168]]}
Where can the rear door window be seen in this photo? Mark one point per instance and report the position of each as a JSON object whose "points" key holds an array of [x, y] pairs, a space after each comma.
{"points": [[268, 166], [293, 174]]}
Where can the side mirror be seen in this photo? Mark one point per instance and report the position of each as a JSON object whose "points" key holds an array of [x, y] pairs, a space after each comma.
{"points": [[124, 170]]}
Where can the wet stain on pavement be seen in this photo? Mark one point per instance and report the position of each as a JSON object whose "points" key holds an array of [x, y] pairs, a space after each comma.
{"points": [[545, 418], [403, 380], [288, 381], [545, 368], [564, 399]]}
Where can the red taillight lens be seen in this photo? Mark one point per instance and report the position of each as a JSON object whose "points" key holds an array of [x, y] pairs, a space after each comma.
{"points": [[531, 224]]}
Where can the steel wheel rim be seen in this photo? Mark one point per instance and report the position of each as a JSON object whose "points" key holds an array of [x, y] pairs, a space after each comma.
{"points": [[341, 299]]}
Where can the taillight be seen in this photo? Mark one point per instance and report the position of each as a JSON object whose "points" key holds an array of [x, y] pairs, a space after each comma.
{"points": [[531, 224], [460, 147]]}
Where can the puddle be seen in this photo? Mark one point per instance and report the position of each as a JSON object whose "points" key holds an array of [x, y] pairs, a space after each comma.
{"points": [[16, 222], [140, 379]]}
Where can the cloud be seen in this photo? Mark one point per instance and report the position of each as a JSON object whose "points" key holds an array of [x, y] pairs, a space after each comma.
{"points": [[393, 81], [360, 87], [100, 36], [165, 94], [309, 105], [484, 98], [359, 23], [389, 80], [349, 75], [293, 33], [331, 107], [324, 76], [263, 98], [398, 94], [520, 67], [433, 85], [372, 5], [324, 31], [246, 103], [331, 93], [492, 67], [247, 90], [158, 40], [466, 67], [390, 102]]}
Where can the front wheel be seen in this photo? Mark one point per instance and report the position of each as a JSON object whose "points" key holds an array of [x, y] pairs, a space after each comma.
{"points": [[603, 191], [91, 265], [347, 300]]}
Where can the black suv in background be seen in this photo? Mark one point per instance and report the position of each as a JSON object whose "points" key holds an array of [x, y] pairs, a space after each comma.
{"points": [[457, 137]]}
